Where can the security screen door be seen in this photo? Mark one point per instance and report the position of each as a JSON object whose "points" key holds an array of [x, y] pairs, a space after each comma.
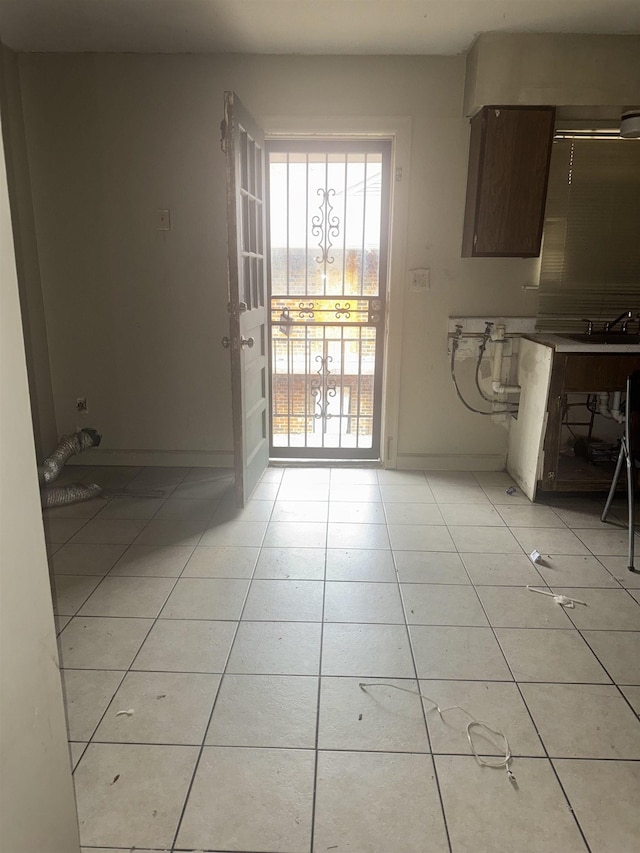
{"points": [[243, 143], [328, 243]]}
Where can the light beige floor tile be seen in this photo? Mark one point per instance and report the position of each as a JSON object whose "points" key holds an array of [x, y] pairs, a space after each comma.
{"points": [[583, 720], [228, 511], [499, 819], [306, 475], [132, 794], [519, 607], [206, 598], [583, 515], [360, 564], [203, 489], [493, 478], [618, 568], [465, 653], [403, 493], [463, 493], [112, 476], [378, 802], [405, 513], [159, 477], [284, 601], [450, 478], [357, 536], [172, 531], [109, 531], [61, 622], [499, 497], [187, 509], [371, 651], [485, 540], [356, 513], [85, 559], [430, 567], [267, 491], [99, 643], [128, 596], [566, 570], [160, 561], [635, 593], [87, 694], [442, 604], [168, 707], [57, 531], [606, 609], [599, 795], [549, 540], [272, 475], [123, 506], [501, 569], [290, 491], [549, 655], [250, 799], [392, 476], [52, 548], [420, 537], [347, 601], [497, 703], [633, 697], [276, 648], [354, 476], [76, 750], [265, 711], [605, 542], [224, 561], [249, 533], [363, 493], [481, 515], [378, 719], [300, 511], [71, 591], [186, 645], [294, 563], [619, 653], [208, 473], [521, 515], [291, 534]]}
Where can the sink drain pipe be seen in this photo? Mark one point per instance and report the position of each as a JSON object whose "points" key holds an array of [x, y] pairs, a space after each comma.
{"points": [[70, 445], [498, 338]]}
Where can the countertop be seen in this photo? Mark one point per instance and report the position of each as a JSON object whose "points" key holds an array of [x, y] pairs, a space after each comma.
{"points": [[562, 344]]}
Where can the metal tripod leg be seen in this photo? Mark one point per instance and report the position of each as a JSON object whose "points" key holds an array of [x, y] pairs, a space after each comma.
{"points": [[614, 483]]}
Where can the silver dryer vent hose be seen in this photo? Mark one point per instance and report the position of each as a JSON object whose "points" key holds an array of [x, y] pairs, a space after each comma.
{"points": [[69, 445], [71, 494]]}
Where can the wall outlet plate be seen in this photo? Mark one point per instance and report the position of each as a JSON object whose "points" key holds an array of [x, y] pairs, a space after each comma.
{"points": [[82, 406]]}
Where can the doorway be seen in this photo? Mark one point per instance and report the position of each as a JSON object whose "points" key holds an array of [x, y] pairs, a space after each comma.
{"points": [[328, 229]]}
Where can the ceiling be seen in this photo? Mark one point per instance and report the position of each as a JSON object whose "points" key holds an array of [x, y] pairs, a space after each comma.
{"points": [[297, 26]]}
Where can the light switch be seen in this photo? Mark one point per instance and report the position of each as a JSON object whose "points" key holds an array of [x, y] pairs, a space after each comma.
{"points": [[163, 220]]}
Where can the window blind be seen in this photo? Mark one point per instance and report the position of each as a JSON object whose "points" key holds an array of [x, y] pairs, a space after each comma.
{"points": [[590, 262]]}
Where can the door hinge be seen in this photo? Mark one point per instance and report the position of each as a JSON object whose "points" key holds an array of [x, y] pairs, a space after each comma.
{"points": [[223, 136]]}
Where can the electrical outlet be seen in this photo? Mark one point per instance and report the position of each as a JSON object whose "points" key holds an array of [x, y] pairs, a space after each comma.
{"points": [[81, 405], [419, 280]]}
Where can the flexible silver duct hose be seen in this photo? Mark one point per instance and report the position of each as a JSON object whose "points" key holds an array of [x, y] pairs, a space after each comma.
{"points": [[51, 467], [69, 446], [63, 495]]}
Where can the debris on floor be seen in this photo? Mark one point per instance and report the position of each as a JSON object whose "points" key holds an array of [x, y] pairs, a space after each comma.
{"points": [[563, 600], [128, 713]]}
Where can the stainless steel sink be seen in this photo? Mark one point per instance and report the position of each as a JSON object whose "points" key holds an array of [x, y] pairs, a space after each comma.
{"points": [[604, 338]]}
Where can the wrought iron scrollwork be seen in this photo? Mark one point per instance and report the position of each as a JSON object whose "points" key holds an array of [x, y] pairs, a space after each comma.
{"points": [[325, 225], [323, 388], [343, 311], [306, 311]]}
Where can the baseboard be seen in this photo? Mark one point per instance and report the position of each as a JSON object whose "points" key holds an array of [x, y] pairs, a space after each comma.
{"points": [[155, 458], [451, 461]]}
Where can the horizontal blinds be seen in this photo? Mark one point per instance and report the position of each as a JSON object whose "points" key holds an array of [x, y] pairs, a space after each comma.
{"points": [[590, 264]]}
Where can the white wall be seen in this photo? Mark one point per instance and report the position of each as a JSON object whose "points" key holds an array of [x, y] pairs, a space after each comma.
{"points": [[37, 806], [134, 320]]}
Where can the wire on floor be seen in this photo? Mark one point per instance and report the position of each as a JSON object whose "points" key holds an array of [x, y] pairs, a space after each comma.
{"points": [[472, 725]]}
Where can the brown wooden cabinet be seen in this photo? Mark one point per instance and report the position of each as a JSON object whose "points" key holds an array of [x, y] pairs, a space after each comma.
{"points": [[509, 158]]}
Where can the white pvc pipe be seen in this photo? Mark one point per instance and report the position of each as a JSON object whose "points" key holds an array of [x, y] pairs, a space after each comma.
{"points": [[498, 338]]}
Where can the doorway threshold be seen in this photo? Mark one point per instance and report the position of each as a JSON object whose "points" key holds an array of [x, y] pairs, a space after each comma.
{"points": [[300, 462]]}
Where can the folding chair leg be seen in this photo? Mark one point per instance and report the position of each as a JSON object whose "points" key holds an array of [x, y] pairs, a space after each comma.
{"points": [[614, 483], [630, 502]]}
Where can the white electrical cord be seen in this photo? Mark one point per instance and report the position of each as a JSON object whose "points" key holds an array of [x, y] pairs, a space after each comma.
{"points": [[564, 600], [483, 762]]}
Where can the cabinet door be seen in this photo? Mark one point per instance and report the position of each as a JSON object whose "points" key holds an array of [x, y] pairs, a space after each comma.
{"points": [[507, 182]]}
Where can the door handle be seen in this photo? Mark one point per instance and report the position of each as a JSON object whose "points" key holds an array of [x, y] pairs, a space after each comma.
{"points": [[247, 342], [226, 342]]}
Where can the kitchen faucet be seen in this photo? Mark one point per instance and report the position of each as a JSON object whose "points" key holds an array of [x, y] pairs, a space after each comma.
{"points": [[626, 316]]}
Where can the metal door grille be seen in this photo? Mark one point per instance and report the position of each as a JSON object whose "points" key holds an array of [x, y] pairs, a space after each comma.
{"points": [[328, 216]]}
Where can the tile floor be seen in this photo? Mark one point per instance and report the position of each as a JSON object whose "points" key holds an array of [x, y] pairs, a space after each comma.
{"points": [[212, 660]]}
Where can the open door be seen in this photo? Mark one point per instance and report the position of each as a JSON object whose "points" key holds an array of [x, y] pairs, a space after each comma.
{"points": [[243, 144]]}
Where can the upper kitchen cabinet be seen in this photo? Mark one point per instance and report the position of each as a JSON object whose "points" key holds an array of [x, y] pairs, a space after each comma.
{"points": [[509, 158]]}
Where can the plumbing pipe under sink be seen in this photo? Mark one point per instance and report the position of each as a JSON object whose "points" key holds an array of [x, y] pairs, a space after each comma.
{"points": [[498, 338]]}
